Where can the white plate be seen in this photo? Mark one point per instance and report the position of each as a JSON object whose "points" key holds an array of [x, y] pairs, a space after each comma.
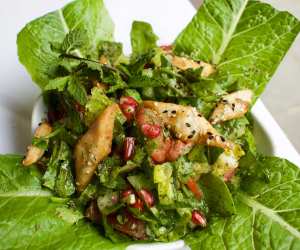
{"points": [[17, 92]]}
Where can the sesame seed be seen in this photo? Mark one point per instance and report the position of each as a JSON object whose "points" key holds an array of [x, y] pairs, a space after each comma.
{"points": [[222, 138], [190, 136], [210, 137], [173, 112], [199, 115], [188, 125], [224, 101], [165, 111], [233, 106], [193, 132], [209, 133]]}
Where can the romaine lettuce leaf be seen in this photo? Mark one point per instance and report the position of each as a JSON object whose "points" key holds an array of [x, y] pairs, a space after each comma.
{"points": [[31, 217], [217, 195], [267, 212], [97, 102], [245, 39], [143, 38], [36, 40], [162, 176]]}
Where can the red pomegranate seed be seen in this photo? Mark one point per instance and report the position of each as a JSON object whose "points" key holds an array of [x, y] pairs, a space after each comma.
{"points": [[126, 193], [138, 204], [128, 148], [198, 218], [128, 106], [147, 197]]}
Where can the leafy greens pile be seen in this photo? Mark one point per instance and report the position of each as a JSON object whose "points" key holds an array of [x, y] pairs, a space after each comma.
{"points": [[245, 40]]}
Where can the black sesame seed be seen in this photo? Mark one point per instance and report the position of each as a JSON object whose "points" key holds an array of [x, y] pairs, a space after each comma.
{"points": [[165, 111], [222, 138], [188, 125], [190, 136], [224, 101], [199, 115], [210, 137], [209, 133], [233, 106], [193, 132], [173, 112]]}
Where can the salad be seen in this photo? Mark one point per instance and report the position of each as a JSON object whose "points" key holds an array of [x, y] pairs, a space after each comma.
{"points": [[157, 145]]}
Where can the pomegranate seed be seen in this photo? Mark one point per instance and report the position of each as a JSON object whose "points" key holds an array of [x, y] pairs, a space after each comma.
{"points": [[147, 197], [198, 218], [128, 100], [126, 193], [128, 196], [114, 199], [128, 106], [128, 148], [138, 204], [151, 131]]}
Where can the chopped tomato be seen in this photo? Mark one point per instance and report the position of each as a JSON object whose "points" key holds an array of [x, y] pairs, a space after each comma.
{"points": [[159, 155], [168, 150], [177, 149], [193, 186], [151, 130]]}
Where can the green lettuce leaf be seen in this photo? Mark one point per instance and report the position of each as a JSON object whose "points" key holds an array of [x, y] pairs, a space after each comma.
{"points": [[162, 176], [245, 39], [217, 195], [267, 216], [31, 218], [36, 39], [143, 38], [97, 102], [111, 50]]}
